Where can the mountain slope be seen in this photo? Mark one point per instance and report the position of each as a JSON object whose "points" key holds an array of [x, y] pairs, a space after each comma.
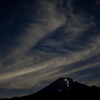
{"points": [[62, 84], [63, 88]]}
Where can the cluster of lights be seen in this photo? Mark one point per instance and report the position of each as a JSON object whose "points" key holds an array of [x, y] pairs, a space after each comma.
{"points": [[59, 90], [66, 80], [67, 83]]}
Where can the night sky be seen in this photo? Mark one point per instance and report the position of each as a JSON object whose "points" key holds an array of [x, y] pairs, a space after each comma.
{"points": [[43, 40]]}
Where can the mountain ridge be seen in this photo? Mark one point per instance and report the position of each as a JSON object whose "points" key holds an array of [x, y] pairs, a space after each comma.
{"points": [[61, 88], [64, 83]]}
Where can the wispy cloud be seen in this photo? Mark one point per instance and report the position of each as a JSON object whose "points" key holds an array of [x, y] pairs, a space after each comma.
{"points": [[29, 66], [97, 2]]}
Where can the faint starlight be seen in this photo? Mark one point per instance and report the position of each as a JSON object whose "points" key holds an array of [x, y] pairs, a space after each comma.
{"points": [[92, 16], [47, 84], [63, 40], [56, 11], [38, 13], [0, 57], [44, 50], [45, 19], [7, 66]]}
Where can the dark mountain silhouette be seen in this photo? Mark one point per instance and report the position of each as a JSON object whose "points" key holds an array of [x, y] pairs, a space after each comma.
{"points": [[63, 88], [64, 84]]}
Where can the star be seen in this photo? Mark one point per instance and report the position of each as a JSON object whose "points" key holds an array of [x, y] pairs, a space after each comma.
{"points": [[47, 84], [45, 19], [38, 13], [56, 11], [44, 50], [8, 66], [92, 16], [0, 57], [63, 40]]}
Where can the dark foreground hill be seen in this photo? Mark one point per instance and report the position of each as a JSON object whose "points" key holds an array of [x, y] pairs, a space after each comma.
{"points": [[64, 88]]}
